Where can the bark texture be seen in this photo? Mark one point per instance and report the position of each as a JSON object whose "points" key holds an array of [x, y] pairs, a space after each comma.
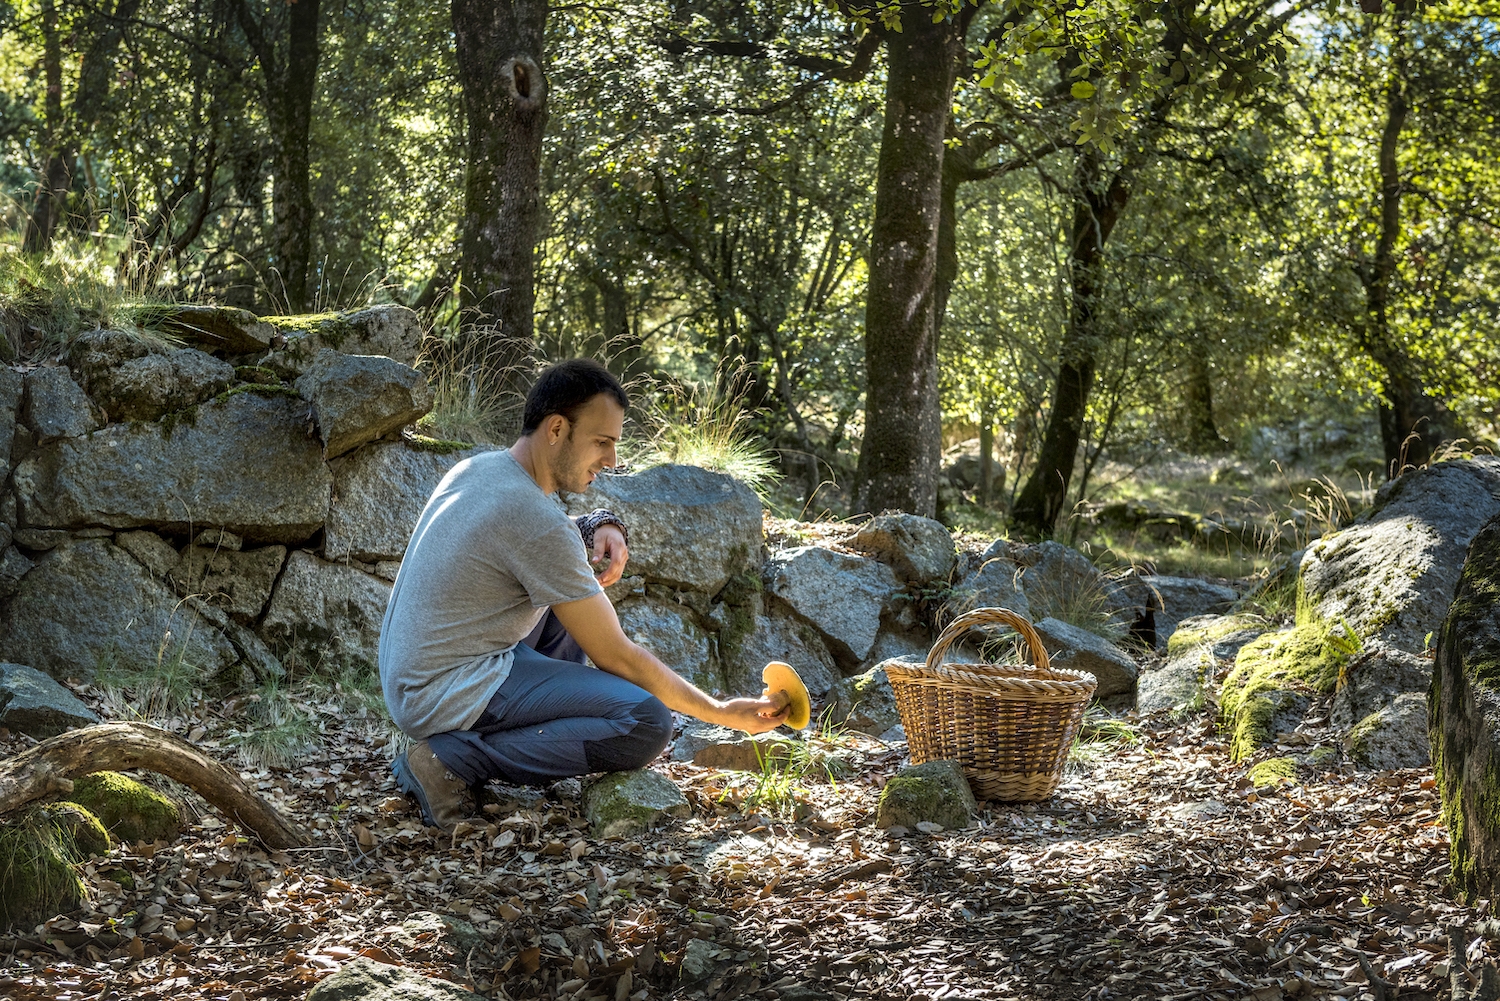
{"points": [[1098, 202], [50, 767], [502, 74], [900, 456]]}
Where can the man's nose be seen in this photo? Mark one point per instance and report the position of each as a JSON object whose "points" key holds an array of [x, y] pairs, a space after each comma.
{"points": [[610, 456]]}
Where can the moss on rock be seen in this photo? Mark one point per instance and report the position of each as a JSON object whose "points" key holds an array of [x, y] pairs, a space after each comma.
{"points": [[441, 446], [1464, 720], [1309, 656], [131, 811], [622, 803], [1185, 639], [935, 792], [39, 851], [1272, 771]]}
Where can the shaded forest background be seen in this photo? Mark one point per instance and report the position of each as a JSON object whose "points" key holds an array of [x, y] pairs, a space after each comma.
{"points": [[1069, 231]]}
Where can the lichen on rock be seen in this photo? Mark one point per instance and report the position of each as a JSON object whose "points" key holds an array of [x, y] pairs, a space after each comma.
{"points": [[1464, 719]]}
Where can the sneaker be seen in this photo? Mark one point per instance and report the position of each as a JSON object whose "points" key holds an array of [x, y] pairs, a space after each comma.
{"points": [[445, 799]]}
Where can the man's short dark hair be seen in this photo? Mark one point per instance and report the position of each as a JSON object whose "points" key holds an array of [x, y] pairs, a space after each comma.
{"points": [[566, 388]]}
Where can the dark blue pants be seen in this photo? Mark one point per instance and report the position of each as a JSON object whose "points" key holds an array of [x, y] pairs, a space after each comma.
{"points": [[555, 717]]}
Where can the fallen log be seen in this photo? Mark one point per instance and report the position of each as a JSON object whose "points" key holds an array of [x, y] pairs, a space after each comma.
{"points": [[50, 767]]}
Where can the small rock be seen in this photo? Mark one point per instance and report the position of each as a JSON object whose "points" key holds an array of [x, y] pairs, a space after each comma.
{"points": [[13, 566], [928, 827], [154, 383], [698, 961], [239, 582], [712, 746], [150, 550], [918, 549], [366, 980], [841, 596], [11, 388], [219, 328], [1180, 683], [622, 803], [219, 538], [40, 539], [54, 406], [1078, 649], [129, 810], [566, 790], [936, 792], [1374, 680], [1395, 736], [33, 704], [390, 331], [996, 584], [895, 735], [358, 398], [866, 702]]}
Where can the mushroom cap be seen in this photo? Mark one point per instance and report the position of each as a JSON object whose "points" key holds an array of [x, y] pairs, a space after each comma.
{"points": [[781, 677]]}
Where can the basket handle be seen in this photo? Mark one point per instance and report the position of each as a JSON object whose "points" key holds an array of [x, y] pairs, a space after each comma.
{"points": [[985, 617]]}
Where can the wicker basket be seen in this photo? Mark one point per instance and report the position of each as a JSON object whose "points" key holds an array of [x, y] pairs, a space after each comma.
{"points": [[1009, 726]]}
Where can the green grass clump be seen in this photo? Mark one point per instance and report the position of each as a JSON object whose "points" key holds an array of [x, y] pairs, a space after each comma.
{"points": [[1272, 771], [439, 445], [169, 686], [40, 848], [275, 731], [704, 427], [67, 291]]}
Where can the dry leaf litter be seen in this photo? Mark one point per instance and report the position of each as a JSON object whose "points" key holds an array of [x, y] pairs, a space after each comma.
{"points": [[1155, 871]]}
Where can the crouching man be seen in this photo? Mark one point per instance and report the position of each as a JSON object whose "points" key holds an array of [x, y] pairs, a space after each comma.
{"points": [[482, 653]]}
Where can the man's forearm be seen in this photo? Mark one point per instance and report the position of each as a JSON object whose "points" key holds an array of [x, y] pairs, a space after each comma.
{"points": [[639, 666]]}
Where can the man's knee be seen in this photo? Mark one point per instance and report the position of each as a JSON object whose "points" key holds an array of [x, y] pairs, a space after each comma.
{"points": [[638, 747]]}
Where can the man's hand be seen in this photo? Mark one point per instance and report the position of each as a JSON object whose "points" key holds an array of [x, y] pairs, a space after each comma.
{"points": [[609, 544], [752, 715]]}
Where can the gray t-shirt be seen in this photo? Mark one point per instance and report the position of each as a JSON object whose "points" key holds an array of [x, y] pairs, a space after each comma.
{"points": [[489, 555]]}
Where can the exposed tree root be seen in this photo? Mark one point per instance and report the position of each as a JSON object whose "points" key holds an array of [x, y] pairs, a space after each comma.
{"points": [[51, 766]]}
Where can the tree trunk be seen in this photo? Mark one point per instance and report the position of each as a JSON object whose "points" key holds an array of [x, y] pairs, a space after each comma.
{"points": [[899, 458], [57, 170], [1411, 421], [1097, 207], [291, 189], [291, 78], [986, 458], [1198, 397], [501, 71], [51, 766]]}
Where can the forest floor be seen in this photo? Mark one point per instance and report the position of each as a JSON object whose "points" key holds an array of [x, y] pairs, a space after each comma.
{"points": [[1155, 871]]}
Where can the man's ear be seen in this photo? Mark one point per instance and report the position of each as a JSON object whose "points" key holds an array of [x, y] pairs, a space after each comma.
{"points": [[555, 427]]}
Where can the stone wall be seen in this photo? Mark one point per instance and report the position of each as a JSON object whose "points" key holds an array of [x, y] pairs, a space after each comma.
{"points": [[240, 500]]}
